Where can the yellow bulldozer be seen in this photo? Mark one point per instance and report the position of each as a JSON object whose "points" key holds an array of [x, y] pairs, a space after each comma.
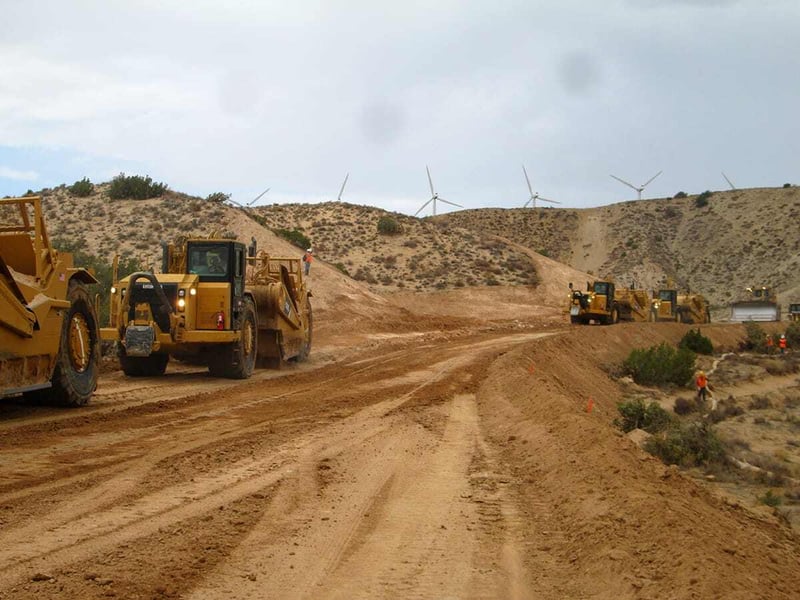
{"points": [[794, 312], [605, 303], [756, 304], [669, 305], [216, 302], [49, 339]]}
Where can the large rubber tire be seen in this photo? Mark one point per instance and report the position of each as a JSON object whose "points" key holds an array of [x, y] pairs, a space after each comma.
{"points": [[77, 364], [238, 360], [143, 366], [306, 349]]}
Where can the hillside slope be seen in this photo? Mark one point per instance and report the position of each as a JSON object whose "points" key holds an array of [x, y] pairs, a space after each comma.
{"points": [[740, 238]]}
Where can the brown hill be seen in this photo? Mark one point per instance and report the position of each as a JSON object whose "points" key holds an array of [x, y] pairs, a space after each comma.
{"points": [[739, 238]]}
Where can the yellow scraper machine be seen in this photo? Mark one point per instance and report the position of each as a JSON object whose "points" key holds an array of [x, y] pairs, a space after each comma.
{"points": [[49, 340], [218, 303], [669, 305], [604, 302]]}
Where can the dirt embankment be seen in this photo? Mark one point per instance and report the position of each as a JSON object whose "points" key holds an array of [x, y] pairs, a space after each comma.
{"points": [[439, 464]]}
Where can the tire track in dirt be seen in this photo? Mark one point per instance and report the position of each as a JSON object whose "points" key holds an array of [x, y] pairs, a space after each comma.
{"points": [[77, 530]]}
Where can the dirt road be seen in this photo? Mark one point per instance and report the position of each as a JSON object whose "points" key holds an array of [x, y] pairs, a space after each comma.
{"points": [[441, 466]]}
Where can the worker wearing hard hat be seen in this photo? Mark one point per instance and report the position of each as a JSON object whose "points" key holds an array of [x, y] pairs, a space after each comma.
{"points": [[702, 386], [308, 257], [782, 343]]}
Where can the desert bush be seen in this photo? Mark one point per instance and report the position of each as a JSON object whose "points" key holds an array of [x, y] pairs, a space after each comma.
{"points": [[793, 334], [660, 365], [684, 406], [342, 268], [635, 414], [787, 185], [770, 499], [696, 342], [726, 409], [135, 187], [702, 199], [680, 195], [688, 445], [218, 197], [81, 188], [759, 403], [294, 236], [755, 337], [389, 226]]}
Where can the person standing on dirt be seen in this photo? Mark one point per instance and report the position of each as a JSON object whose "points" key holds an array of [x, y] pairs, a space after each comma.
{"points": [[782, 343], [770, 344], [702, 386], [308, 257]]}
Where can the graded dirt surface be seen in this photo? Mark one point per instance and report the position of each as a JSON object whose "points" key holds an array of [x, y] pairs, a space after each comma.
{"points": [[433, 457]]}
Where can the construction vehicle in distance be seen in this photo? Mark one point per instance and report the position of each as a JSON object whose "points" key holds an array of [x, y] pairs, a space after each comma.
{"points": [[668, 305], [758, 304], [794, 312], [216, 303], [605, 303], [49, 339]]}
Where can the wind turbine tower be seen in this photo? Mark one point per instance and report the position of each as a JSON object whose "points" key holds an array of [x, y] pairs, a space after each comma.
{"points": [[434, 197], [639, 189], [534, 196]]}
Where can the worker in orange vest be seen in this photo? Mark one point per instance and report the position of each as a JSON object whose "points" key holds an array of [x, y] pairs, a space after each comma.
{"points": [[702, 386], [769, 344], [782, 343], [307, 258]]}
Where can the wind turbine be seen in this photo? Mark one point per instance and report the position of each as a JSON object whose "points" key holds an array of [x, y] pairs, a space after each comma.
{"points": [[730, 183], [434, 197], [639, 189], [534, 196], [341, 191], [254, 200]]}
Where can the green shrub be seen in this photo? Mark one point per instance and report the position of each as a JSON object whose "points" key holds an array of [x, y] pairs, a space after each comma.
{"points": [[294, 236], [770, 499], [660, 365], [389, 226], [680, 195], [793, 334], [787, 185], [82, 188], [135, 187], [683, 406], [755, 337], [218, 197], [635, 414], [702, 199], [696, 342], [342, 268], [688, 445]]}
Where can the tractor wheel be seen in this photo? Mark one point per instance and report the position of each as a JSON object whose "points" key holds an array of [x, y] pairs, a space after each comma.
{"points": [[143, 366], [306, 349], [75, 376], [238, 359], [614, 315]]}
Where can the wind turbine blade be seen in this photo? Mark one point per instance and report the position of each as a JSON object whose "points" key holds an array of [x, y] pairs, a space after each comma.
{"points": [[421, 208], [733, 187], [440, 199], [254, 200], [430, 180], [630, 185], [528, 202], [341, 191], [651, 179], [530, 189], [548, 200]]}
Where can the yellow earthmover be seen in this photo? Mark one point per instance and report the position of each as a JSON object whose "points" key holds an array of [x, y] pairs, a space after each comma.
{"points": [[604, 302], [756, 304], [49, 339], [218, 303], [669, 305]]}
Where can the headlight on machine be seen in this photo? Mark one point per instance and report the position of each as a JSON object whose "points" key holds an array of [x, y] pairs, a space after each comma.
{"points": [[181, 299], [193, 292], [113, 290]]}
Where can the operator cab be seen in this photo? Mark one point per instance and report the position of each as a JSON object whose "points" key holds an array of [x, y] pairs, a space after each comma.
{"points": [[603, 288], [668, 296]]}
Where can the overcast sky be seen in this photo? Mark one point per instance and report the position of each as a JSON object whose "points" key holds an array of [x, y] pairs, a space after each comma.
{"points": [[236, 97]]}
